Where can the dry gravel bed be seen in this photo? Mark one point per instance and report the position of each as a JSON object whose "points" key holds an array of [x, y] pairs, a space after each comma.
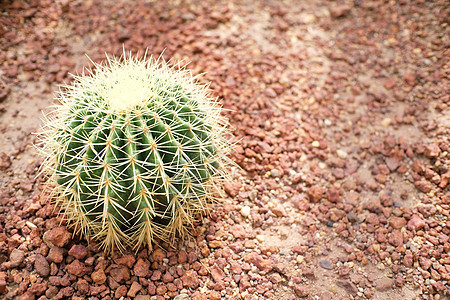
{"points": [[341, 113]]}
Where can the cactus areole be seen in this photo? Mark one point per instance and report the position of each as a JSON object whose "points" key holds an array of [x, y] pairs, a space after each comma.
{"points": [[135, 152]]}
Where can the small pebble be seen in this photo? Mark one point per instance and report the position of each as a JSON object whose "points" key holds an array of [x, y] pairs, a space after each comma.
{"points": [[326, 264], [245, 211], [341, 154], [386, 122], [30, 225]]}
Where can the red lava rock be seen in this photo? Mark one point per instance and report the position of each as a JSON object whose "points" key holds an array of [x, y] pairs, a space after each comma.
{"points": [[432, 150], [151, 288], [3, 286], [416, 223], [410, 78], [214, 295], [38, 288], [396, 238], [156, 275], [275, 278], [82, 286], [79, 251], [41, 265], [397, 222], [112, 283], [58, 236], [167, 277], [220, 286], [120, 273], [237, 247], [301, 290], [439, 286], [5, 161], [268, 249], [257, 260], [427, 210], [333, 195], [216, 273], [54, 280], [89, 261], [244, 283], [121, 291], [98, 276], [215, 244], [33, 206], [278, 211], [417, 167], [400, 280], [66, 292], [408, 260], [232, 188], [344, 271], [134, 289], [182, 257], [392, 163], [315, 193], [65, 280], [435, 275], [76, 268], [425, 263], [300, 203], [161, 290], [142, 268], [95, 290], [445, 179], [27, 296], [16, 258], [423, 185], [372, 219], [158, 255], [235, 267], [127, 260], [56, 255], [339, 173], [238, 232], [190, 279], [298, 249]]}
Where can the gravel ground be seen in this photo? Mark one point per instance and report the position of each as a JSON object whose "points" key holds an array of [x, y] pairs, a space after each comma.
{"points": [[341, 113]]}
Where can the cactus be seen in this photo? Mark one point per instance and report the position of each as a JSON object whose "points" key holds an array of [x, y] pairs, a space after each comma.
{"points": [[135, 151]]}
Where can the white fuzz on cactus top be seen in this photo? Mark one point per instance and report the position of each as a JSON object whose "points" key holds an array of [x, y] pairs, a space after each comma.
{"points": [[129, 82]]}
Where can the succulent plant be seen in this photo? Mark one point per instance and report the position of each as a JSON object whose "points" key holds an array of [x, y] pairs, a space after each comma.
{"points": [[135, 151]]}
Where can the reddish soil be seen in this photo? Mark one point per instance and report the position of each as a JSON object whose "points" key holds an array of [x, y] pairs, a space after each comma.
{"points": [[341, 112]]}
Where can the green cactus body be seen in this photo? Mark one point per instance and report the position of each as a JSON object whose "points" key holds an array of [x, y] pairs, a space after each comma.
{"points": [[135, 151]]}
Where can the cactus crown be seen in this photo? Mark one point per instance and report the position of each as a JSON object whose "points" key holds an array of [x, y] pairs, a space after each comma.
{"points": [[135, 151]]}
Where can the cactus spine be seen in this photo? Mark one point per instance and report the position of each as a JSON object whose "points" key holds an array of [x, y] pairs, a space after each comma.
{"points": [[135, 151]]}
